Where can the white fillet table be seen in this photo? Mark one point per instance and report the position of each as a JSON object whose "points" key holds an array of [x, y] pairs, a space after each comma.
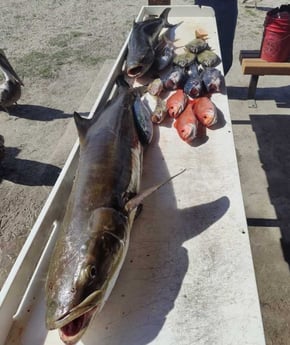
{"points": [[188, 277]]}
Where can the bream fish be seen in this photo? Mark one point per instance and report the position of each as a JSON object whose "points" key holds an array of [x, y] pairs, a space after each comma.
{"points": [[175, 78], [142, 43], [193, 84], [212, 79]]}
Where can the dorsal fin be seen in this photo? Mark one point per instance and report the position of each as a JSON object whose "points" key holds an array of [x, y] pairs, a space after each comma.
{"points": [[82, 125]]}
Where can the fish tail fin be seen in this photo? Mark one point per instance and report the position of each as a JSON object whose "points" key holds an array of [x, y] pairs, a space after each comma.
{"points": [[164, 17]]}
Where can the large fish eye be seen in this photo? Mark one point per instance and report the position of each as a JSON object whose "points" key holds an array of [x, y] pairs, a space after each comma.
{"points": [[91, 271]]}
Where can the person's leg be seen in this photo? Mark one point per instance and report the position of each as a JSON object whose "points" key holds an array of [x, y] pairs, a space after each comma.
{"points": [[226, 12]]}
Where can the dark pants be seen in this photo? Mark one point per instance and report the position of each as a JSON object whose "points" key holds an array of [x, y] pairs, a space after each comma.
{"points": [[226, 12]]}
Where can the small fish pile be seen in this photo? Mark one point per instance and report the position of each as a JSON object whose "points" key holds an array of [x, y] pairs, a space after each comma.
{"points": [[191, 116], [181, 84]]}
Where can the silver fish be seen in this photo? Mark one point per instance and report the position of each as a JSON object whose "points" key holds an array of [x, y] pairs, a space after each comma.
{"points": [[175, 78], [193, 84], [212, 79], [141, 44]]}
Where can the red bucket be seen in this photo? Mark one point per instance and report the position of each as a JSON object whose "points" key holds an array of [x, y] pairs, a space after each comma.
{"points": [[276, 39]]}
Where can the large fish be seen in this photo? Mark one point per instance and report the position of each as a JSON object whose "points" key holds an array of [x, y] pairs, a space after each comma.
{"points": [[94, 235], [142, 42]]}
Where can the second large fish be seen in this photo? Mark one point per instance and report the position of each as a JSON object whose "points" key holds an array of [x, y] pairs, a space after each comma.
{"points": [[142, 42]]}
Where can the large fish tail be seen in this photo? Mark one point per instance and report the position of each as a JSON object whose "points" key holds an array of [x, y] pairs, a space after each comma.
{"points": [[164, 16]]}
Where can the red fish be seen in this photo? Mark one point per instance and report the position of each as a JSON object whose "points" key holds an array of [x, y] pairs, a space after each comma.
{"points": [[176, 103], [205, 110], [187, 124]]}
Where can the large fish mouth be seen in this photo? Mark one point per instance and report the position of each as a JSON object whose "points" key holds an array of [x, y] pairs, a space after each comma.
{"points": [[72, 331], [137, 71]]}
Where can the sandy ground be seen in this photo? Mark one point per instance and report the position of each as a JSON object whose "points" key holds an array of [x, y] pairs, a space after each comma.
{"points": [[58, 47]]}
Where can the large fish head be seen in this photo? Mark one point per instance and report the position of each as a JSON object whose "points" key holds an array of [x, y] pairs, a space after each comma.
{"points": [[80, 280], [139, 62]]}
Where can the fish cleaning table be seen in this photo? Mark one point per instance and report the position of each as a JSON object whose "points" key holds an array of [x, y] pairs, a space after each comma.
{"points": [[188, 277]]}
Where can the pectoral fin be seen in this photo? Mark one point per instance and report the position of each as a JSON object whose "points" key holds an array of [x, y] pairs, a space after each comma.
{"points": [[137, 200]]}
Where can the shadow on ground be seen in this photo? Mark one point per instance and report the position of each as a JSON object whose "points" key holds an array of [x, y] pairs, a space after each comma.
{"points": [[279, 94], [25, 171], [37, 112], [272, 133]]}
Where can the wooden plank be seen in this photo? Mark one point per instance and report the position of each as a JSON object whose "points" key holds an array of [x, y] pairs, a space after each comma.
{"points": [[258, 66]]}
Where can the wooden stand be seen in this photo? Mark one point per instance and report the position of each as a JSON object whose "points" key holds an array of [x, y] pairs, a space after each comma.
{"points": [[255, 66]]}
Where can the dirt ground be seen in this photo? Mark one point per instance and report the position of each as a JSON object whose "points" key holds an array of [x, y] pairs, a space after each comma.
{"points": [[58, 47]]}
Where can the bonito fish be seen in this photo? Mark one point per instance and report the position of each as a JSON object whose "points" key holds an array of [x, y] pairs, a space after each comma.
{"points": [[94, 235], [142, 42]]}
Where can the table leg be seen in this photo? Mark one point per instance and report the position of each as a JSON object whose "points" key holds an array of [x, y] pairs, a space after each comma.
{"points": [[252, 91]]}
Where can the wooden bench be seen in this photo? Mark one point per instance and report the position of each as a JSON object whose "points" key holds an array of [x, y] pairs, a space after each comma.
{"points": [[255, 66]]}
